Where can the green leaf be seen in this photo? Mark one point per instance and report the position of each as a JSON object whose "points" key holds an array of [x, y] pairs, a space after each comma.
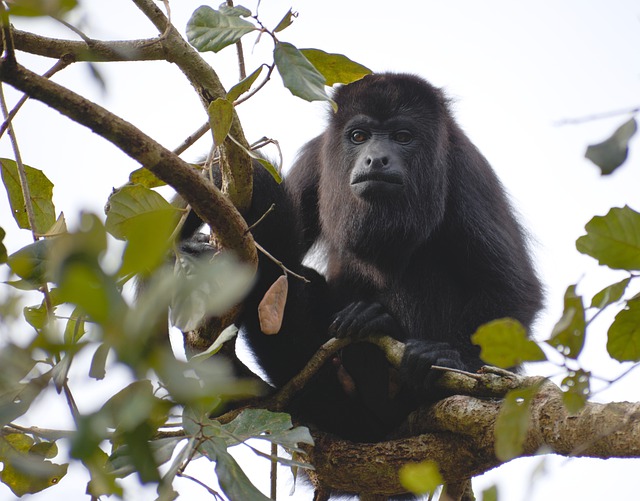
{"points": [[146, 178], [611, 153], [298, 74], [614, 239], [30, 262], [41, 190], [220, 118], [335, 68], [265, 163], [207, 287], [421, 478], [233, 481], [504, 343], [211, 30], [490, 494], [147, 221], [623, 341], [226, 335], [286, 21], [99, 362], [568, 334], [576, 390], [513, 422], [33, 8], [610, 294], [254, 423], [241, 87], [3, 249], [26, 470], [75, 328]]}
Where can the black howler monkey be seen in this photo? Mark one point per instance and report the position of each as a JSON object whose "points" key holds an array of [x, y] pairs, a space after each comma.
{"points": [[420, 244]]}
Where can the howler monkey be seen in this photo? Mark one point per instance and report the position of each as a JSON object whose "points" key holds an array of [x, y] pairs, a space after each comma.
{"points": [[420, 244]]}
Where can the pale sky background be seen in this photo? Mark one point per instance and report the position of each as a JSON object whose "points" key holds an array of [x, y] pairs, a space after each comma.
{"points": [[514, 69]]}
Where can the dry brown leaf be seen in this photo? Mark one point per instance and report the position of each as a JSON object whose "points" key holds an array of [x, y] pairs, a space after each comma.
{"points": [[271, 308]]}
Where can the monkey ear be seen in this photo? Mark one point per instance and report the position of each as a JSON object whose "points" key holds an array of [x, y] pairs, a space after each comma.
{"points": [[271, 308]]}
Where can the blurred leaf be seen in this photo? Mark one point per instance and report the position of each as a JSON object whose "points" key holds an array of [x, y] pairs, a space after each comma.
{"points": [[226, 335], [26, 470], [298, 74], [16, 398], [335, 68], [36, 316], [241, 87], [129, 207], [99, 361], [75, 328], [614, 239], [60, 371], [286, 21], [504, 343], [233, 481], [103, 481], [33, 8], [30, 262], [254, 423], [623, 341], [490, 494], [162, 450], [611, 153], [41, 190], [421, 478], [3, 249], [146, 178], [513, 422], [576, 390], [220, 118], [211, 30], [207, 287], [610, 294], [147, 221], [568, 334]]}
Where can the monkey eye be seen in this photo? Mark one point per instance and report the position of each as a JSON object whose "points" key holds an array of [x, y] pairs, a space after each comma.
{"points": [[358, 136], [402, 136]]}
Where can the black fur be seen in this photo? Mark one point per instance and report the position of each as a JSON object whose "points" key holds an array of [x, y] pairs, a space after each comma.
{"points": [[420, 244]]}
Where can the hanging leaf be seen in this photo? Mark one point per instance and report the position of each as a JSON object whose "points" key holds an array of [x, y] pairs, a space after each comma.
{"points": [[610, 294], [298, 74], [241, 87], [611, 153], [41, 190], [211, 30], [421, 478], [623, 342], [335, 68], [271, 308], [146, 178], [568, 334], [614, 239], [220, 118], [513, 422], [576, 390], [286, 21], [504, 343]]}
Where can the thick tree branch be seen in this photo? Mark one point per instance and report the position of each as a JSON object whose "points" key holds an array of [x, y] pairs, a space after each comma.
{"points": [[236, 165], [209, 203], [92, 50]]}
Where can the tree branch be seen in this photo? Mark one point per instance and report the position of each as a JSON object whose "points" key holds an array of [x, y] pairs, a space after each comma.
{"points": [[208, 202]]}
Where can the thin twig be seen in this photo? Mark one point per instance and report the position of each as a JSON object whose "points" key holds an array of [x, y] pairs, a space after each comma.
{"points": [[60, 65], [201, 484], [286, 270], [269, 210], [599, 116], [190, 140]]}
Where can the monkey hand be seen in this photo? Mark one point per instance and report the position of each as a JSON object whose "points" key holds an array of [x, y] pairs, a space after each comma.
{"points": [[198, 245], [420, 355], [361, 319]]}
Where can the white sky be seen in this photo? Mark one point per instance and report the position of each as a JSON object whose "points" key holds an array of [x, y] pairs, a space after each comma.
{"points": [[514, 69]]}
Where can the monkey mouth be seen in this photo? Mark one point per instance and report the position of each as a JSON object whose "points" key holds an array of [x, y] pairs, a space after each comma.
{"points": [[374, 178]]}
